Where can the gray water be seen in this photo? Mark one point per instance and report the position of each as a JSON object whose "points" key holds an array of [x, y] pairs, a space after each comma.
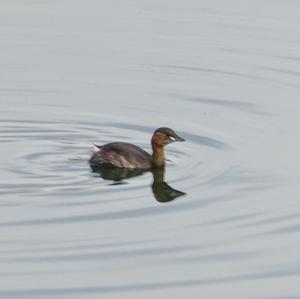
{"points": [[223, 74]]}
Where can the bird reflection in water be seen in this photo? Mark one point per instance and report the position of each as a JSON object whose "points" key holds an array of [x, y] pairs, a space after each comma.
{"points": [[161, 190]]}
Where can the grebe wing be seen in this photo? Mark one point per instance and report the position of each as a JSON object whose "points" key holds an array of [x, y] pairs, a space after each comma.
{"points": [[121, 154]]}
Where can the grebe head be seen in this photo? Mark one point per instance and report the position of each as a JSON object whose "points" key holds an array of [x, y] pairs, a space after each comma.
{"points": [[163, 136]]}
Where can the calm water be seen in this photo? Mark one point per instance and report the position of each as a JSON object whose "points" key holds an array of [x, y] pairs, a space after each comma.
{"points": [[224, 74]]}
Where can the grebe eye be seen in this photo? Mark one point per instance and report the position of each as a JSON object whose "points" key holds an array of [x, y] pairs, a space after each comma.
{"points": [[172, 138]]}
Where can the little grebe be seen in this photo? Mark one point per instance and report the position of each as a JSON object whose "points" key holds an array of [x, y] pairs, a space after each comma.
{"points": [[126, 155]]}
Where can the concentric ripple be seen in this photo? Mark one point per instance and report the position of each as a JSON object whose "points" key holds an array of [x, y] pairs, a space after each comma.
{"points": [[52, 157], [222, 221]]}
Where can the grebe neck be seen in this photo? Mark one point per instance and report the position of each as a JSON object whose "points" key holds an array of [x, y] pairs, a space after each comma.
{"points": [[158, 156]]}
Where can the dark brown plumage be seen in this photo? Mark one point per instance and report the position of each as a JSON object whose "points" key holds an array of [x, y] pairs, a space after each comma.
{"points": [[126, 155]]}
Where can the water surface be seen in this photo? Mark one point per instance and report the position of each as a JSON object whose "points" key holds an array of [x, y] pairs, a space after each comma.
{"points": [[222, 221]]}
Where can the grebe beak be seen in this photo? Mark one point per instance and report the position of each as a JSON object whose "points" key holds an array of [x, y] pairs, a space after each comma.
{"points": [[176, 138]]}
